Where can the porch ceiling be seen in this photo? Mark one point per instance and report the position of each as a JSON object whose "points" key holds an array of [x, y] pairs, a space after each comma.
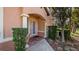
{"points": [[37, 16]]}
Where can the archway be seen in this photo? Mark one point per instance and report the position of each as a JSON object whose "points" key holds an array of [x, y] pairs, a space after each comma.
{"points": [[36, 25]]}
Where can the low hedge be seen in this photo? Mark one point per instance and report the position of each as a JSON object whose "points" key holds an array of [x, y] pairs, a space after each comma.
{"points": [[52, 32], [19, 40], [67, 34]]}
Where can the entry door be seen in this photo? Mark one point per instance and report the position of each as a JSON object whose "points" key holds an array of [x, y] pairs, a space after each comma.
{"points": [[34, 28]]}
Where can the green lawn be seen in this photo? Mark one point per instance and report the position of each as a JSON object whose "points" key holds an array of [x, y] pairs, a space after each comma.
{"points": [[76, 34], [77, 30]]}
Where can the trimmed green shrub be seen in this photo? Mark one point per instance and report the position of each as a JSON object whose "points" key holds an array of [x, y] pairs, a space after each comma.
{"points": [[52, 32], [19, 40]]}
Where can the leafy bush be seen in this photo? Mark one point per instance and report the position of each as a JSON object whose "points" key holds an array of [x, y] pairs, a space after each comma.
{"points": [[52, 32], [19, 40], [66, 26], [67, 34]]}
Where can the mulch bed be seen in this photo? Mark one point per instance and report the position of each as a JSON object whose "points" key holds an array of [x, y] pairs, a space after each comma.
{"points": [[70, 45], [34, 40]]}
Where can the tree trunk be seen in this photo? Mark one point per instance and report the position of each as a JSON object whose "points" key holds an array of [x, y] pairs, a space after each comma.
{"points": [[73, 28], [63, 40], [70, 25]]}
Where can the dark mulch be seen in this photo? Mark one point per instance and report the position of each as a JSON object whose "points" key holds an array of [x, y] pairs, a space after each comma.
{"points": [[34, 40], [74, 44]]}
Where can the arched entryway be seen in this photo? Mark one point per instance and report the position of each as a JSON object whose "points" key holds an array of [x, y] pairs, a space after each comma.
{"points": [[36, 28], [36, 25]]}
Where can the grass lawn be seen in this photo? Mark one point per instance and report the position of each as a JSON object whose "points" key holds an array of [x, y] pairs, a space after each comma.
{"points": [[77, 30], [76, 34]]}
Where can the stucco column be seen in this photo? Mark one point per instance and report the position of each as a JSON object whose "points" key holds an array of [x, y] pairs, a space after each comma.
{"points": [[1, 23], [25, 25], [25, 20]]}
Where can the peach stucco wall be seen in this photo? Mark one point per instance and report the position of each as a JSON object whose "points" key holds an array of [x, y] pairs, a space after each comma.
{"points": [[41, 25], [40, 22], [40, 11], [34, 10], [11, 19]]}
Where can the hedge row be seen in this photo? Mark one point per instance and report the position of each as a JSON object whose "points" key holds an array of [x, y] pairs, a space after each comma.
{"points": [[52, 32]]}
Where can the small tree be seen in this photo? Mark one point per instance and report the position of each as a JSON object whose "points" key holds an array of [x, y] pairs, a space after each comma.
{"points": [[62, 14], [75, 18]]}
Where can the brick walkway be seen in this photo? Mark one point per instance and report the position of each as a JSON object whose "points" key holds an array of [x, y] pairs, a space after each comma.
{"points": [[41, 45], [36, 44]]}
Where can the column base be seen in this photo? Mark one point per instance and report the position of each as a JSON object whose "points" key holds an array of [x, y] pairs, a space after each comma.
{"points": [[27, 46]]}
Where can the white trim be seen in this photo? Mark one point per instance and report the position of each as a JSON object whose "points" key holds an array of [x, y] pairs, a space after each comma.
{"points": [[1, 23], [29, 26], [25, 15], [6, 40], [45, 32]]}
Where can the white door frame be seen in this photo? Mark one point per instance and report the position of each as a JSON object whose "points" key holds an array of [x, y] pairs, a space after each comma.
{"points": [[31, 27], [45, 30]]}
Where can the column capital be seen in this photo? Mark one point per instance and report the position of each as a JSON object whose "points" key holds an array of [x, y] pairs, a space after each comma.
{"points": [[25, 15]]}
